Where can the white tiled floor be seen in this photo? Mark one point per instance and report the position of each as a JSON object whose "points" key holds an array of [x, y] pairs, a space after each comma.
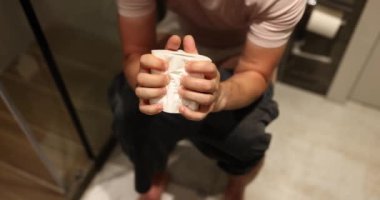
{"points": [[320, 150]]}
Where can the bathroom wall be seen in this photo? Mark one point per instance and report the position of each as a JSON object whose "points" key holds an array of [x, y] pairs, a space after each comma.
{"points": [[358, 54]]}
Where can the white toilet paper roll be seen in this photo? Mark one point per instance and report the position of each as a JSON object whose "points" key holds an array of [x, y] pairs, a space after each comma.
{"points": [[325, 21], [176, 61]]}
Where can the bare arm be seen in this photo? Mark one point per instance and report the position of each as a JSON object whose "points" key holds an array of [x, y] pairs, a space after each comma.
{"points": [[138, 36], [251, 77]]}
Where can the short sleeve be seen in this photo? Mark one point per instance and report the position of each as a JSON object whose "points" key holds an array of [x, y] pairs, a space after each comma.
{"points": [[135, 8], [275, 24]]}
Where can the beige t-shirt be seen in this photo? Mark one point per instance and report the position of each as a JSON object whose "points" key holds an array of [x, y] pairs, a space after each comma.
{"points": [[226, 23]]}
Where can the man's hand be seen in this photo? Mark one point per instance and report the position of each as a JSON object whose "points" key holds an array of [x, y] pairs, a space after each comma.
{"points": [[204, 91], [152, 86]]}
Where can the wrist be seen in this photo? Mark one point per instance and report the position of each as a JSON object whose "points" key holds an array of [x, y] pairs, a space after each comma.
{"points": [[222, 97]]}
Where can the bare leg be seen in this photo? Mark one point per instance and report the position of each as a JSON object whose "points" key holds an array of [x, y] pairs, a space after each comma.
{"points": [[236, 184], [159, 184]]}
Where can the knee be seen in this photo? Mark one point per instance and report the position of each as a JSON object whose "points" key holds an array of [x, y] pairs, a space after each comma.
{"points": [[251, 146], [247, 151], [238, 167]]}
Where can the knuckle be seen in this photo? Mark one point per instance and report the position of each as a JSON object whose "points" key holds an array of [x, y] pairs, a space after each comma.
{"points": [[199, 65], [150, 93], [163, 79], [211, 68], [214, 86], [207, 86], [205, 64], [147, 110], [143, 110], [205, 100], [185, 94], [190, 117], [195, 116], [144, 58], [153, 93], [160, 92], [198, 118], [148, 60], [189, 66], [209, 99], [138, 91], [140, 78], [185, 81]]}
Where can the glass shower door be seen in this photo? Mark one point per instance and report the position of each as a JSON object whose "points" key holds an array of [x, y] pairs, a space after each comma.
{"points": [[42, 156], [83, 37]]}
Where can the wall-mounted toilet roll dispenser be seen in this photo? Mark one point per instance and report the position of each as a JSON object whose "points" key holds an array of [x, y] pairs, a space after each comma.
{"points": [[319, 42]]}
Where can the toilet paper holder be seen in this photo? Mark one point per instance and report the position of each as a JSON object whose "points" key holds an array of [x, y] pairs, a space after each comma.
{"points": [[297, 51], [300, 37]]}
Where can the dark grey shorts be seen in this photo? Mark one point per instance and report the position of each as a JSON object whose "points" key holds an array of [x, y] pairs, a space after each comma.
{"points": [[235, 139]]}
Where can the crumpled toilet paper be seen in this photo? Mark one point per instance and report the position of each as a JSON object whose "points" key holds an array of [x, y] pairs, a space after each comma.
{"points": [[176, 61]]}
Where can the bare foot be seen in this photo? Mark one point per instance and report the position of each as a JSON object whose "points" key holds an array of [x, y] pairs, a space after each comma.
{"points": [[159, 183]]}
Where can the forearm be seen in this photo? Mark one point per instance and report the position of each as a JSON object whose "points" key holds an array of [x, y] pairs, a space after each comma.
{"points": [[241, 90], [131, 68], [138, 38], [252, 75]]}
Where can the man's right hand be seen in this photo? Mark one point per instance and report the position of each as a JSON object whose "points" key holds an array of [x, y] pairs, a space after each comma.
{"points": [[152, 86]]}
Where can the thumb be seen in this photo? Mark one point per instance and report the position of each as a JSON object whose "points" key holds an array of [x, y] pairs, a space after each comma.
{"points": [[189, 45]]}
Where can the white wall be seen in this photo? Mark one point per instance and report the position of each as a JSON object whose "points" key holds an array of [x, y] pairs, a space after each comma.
{"points": [[358, 53], [367, 88]]}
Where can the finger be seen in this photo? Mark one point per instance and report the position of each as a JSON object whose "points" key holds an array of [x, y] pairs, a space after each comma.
{"points": [[203, 67], [152, 80], [189, 44], [148, 61], [142, 70], [150, 109], [191, 115], [173, 43], [198, 84], [200, 98], [150, 93]]}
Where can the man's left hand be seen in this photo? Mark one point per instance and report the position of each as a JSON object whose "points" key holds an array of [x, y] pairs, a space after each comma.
{"points": [[204, 91]]}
